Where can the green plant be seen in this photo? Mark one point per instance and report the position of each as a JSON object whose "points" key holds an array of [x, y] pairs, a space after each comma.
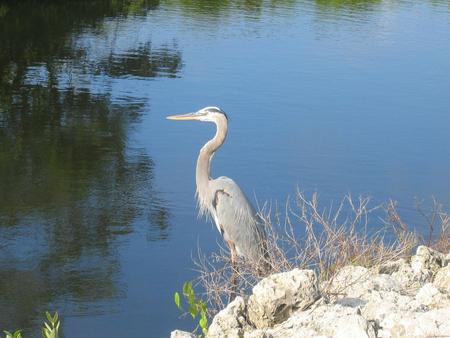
{"points": [[196, 307], [16, 334], [51, 329], [3, 11]]}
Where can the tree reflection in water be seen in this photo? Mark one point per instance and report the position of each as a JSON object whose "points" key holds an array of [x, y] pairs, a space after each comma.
{"points": [[70, 184]]}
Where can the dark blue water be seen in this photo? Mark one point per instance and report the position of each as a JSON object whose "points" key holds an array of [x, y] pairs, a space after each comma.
{"points": [[97, 209]]}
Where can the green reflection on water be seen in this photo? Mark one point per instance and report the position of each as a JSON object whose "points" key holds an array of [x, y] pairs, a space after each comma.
{"points": [[213, 9], [142, 62], [69, 182], [356, 4]]}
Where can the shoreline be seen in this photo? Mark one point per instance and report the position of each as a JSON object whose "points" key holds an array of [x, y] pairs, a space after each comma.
{"points": [[401, 298]]}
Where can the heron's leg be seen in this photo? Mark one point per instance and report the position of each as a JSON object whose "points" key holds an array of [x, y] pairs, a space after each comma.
{"points": [[234, 267], [233, 253]]}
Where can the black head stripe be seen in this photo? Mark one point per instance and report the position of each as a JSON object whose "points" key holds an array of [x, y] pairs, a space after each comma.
{"points": [[215, 110], [218, 111]]}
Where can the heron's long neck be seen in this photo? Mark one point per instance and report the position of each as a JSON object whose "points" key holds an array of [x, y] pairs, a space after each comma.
{"points": [[203, 172]]}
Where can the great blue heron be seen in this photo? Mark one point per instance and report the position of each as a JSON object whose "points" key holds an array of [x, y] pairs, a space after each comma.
{"points": [[222, 198]]}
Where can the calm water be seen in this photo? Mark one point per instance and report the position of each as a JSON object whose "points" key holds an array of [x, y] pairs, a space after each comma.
{"points": [[97, 210]]}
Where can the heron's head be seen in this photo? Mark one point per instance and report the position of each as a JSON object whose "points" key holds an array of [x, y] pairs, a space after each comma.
{"points": [[207, 114]]}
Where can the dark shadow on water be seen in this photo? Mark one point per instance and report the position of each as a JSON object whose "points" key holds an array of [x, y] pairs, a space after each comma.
{"points": [[215, 10], [360, 5], [345, 10], [142, 62], [71, 186]]}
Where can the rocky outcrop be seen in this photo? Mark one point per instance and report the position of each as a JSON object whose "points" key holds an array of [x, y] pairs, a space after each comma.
{"points": [[404, 298], [442, 279], [275, 298], [231, 321]]}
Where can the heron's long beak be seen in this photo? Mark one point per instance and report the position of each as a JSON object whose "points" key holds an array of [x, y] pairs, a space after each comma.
{"points": [[188, 116]]}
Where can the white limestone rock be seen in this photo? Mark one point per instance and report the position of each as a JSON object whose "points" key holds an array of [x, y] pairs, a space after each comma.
{"points": [[353, 282], [434, 323], [325, 321], [426, 262], [442, 279], [181, 334], [446, 260], [257, 334], [399, 299], [275, 298], [406, 276], [419, 270], [354, 326], [430, 296], [380, 304], [230, 322], [392, 266], [348, 281]]}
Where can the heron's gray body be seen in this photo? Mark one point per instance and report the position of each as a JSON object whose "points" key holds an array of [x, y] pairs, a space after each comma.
{"points": [[236, 219], [222, 198]]}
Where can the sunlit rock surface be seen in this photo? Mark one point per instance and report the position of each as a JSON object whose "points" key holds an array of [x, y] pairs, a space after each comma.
{"points": [[275, 298], [231, 321], [181, 334], [442, 279], [404, 298]]}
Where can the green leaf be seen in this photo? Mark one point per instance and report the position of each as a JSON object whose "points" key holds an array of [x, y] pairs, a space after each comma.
{"points": [[195, 307], [55, 317], [204, 315], [191, 300], [185, 287], [176, 298], [202, 306], [193, 311], [49, 316], [203, 322]]}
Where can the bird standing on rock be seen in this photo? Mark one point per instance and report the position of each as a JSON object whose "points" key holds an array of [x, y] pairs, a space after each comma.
{"points": [[221, 197]]}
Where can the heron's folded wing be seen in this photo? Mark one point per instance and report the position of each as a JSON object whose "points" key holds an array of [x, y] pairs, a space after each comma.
{"points": [[236, 216]]}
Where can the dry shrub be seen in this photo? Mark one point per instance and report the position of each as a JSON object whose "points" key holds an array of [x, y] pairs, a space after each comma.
{"points": [[325, 239], [438, 223]]}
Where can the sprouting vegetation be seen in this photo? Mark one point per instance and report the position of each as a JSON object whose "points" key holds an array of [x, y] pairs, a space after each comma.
{"points": [[49, 330], [307, 235], [195, 307], [15, 334]]}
